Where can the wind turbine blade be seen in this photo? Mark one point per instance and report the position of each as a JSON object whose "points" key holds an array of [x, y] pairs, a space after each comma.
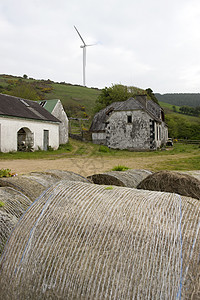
{"points": [[80, 36], [90, 45]]}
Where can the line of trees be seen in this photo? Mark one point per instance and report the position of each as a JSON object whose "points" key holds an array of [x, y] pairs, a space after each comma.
{"points": [[181, 128], [188, 110], [180, 99]]}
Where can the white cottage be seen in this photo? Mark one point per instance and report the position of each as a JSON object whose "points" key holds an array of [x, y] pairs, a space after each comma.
{"points": [[25, 125], [135, 124]]}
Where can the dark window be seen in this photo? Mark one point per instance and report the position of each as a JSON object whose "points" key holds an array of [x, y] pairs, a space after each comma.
{"points": [[129, 119]]}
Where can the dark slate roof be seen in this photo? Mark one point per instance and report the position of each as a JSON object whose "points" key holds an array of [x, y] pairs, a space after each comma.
{"points": [[22, 108], [99, 121], [130, 104]]}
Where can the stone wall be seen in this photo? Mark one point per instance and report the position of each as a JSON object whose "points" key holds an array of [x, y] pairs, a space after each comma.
{"points": [[133, 135]]}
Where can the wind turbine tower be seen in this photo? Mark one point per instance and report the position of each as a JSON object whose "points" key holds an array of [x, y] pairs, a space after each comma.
{"points": [[84, 54]]}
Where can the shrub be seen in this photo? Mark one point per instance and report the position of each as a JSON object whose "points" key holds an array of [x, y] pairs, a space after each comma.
{"points": [[120, 168], [104, 149], [6, 173]]}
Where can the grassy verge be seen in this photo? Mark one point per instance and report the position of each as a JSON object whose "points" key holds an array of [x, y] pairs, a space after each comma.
{"points": [[179, 157]]}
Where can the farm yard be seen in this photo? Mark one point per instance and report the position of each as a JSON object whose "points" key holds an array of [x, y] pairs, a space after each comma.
{"points": [[87, 159]]}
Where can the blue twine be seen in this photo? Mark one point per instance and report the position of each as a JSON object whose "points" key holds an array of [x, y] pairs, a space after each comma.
{"points": [[181, 244], [35, 224]]}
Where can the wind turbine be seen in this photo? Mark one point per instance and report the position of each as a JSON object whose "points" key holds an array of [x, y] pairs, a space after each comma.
{"points": [[84, 54]]}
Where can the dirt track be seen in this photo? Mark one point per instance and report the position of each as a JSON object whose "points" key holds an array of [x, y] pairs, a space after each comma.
{"points": [[84, 166]]}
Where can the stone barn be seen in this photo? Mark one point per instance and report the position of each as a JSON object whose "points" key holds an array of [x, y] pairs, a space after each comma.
{"points": [[135, 124], [55, 107], [25, 125]]}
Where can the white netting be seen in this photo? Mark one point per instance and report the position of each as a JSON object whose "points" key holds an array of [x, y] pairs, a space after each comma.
{"points": [[13, 205], [83, 241]]}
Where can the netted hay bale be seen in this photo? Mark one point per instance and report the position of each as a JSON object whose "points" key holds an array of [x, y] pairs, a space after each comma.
{"points": [[34, 183], [66, 175], [194, 173], [172, 182], [29, 187], [13, 205], [85, 241], [14, 202], [7, 223], [129, 178]]}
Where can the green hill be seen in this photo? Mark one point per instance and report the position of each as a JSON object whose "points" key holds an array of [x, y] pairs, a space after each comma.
{"points": [[180, 99], [79, 101], [179, 125]]}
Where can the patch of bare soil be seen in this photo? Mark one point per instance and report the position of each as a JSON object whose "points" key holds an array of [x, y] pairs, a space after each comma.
{"points": [[83, 165]]}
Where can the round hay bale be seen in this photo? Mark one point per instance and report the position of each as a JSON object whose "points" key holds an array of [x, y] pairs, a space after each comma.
{"points": [[13, 205], [172, 182], [29, 187], [7, 223], [66, 175], [194, 173], [129, 178], [14, 202], [86, 241], [34, 183]]}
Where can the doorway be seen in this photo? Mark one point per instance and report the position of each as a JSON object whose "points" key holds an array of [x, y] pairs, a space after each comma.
{"points": [[25, 139], [46, 140]]}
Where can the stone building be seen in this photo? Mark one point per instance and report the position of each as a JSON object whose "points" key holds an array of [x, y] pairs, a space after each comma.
{"points": [[135, 124]]}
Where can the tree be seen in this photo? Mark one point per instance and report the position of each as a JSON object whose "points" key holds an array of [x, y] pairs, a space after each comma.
{"points": [[151, 95], [174, 108], [25, 76], [25, 91], [115, 93]]}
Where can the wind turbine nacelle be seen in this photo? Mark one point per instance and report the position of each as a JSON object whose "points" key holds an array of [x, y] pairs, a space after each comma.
{"points": [[82, 46]]}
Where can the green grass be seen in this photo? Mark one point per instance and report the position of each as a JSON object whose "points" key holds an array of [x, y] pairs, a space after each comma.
{"points": [[120, 168], [191, 163], [75, 96], [168, 108], [2, 204], [90, 149], [39, 154], [109, 188]]}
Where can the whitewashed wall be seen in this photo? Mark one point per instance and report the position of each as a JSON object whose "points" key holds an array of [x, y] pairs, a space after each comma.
{"points": [[60, 114], [10, 126]]}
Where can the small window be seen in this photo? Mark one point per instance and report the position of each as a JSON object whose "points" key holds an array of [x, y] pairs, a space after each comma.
{"points": [[129, 119], [42, 103]]}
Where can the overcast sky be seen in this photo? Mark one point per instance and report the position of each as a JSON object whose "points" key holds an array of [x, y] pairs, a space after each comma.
{"points": [[143, 43]]}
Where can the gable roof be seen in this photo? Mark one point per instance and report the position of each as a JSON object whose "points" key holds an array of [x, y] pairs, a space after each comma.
{"points": [[99, 120], [22, 108], [49, 105], [98, 123]]}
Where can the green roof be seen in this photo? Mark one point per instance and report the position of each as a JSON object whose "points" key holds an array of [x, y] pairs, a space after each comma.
{"points": [[49, 104]]}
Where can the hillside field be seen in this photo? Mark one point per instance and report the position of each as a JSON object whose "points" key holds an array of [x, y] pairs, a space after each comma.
{"points": [[79, 102]]}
